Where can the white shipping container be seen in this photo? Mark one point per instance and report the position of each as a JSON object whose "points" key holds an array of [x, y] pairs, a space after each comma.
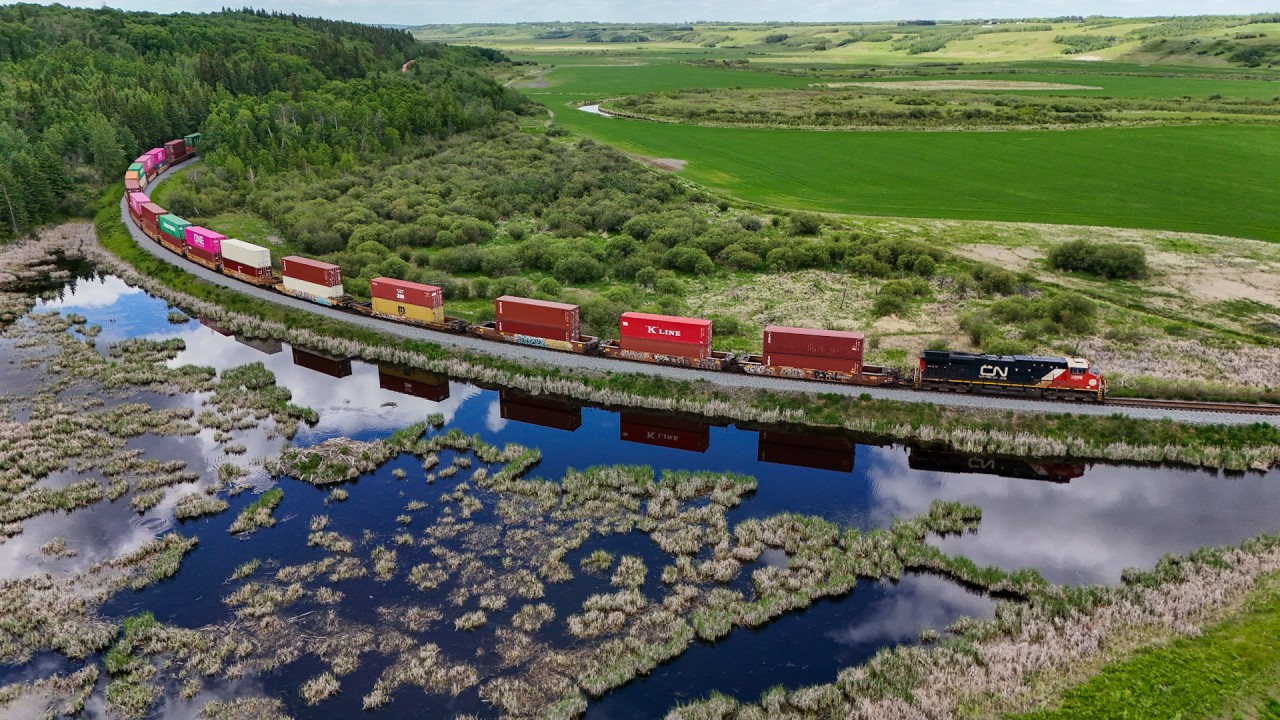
{"points": [[312, 288], [247, 253]]}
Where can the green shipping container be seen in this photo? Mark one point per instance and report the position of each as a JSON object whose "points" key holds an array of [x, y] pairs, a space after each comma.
{"points": [[192, 139], [137, 167], [174, 226]]}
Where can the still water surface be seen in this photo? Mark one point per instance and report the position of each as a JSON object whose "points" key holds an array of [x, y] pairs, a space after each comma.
{"points": [[1074, 523]]}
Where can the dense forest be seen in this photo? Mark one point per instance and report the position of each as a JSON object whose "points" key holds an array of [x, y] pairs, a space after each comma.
{"points": [[82, 92]]}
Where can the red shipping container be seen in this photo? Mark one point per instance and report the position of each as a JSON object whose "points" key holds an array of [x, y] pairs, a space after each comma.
{"points": [[195, 252], [668, 328], [175, 150], [660, 347], [132, 186], [538, 312], [312, 271], [152, 212], [812, 341], [810, 362], [540, 331], [410, 293], [665, 432], [263, 273], [321, 364]]}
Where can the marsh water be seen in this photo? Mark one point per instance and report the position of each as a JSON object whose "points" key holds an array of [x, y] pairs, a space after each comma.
{"points": [[1075, 523]]}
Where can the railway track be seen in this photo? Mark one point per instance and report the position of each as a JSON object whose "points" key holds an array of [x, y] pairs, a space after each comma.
{"points": [[1195, 412], [1195, 406]]}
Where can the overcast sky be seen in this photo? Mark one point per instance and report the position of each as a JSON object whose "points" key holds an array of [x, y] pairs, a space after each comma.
{"points": [[421, 12]]}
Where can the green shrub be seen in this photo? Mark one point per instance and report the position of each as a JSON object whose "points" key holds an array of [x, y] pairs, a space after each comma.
{"points": [[549, 287], [803, 223], [1110, 260], [578, 268]]}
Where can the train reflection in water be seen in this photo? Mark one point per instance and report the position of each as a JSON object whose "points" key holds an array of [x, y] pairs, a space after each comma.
{"points": [[413, 382], [539, 410], [809, 450], [665, 431], [262, 345], [1010, 467], [332, 367]]}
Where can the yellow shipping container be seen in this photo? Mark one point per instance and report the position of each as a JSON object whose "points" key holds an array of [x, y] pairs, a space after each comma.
{"points": [[409, 312]]}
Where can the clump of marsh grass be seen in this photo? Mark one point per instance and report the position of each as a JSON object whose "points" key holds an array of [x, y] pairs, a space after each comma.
{"points": [[258, 514], [194, 505], [320, 687], [244, 570], [57, 549]]}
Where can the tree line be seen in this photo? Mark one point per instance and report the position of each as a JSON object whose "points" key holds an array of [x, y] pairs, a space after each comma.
{"points": [[82, 92]]}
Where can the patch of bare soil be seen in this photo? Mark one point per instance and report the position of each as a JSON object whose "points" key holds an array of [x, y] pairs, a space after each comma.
{"points": [[963, 85], [667, 164]]}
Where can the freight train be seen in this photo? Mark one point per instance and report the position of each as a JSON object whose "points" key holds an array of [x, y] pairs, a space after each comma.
{"points": [[788, 352]]}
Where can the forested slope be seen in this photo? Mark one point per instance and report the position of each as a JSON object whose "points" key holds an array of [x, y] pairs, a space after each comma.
{"points": [[84, 91]]}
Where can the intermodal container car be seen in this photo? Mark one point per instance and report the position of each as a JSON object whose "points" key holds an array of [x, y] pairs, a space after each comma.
{"points": [[132, 186], [559, 315], [192, 140], [812, 341], [667, 328], [136, 200]]}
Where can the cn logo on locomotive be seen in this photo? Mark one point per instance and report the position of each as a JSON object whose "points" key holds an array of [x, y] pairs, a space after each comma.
{"points": [[993, 372]]}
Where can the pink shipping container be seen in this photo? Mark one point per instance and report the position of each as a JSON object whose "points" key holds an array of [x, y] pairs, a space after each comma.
{"points": [[312, 271], [136, 201], [205, 239], [146, 162], [811, 341], [409, 293], [644, 326], [157, 155]]}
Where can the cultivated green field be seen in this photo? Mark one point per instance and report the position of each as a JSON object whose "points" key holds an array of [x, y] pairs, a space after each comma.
{"points": [[1208, 178]]}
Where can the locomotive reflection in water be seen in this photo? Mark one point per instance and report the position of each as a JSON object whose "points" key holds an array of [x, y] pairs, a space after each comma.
{"points": [[1010, 467]]}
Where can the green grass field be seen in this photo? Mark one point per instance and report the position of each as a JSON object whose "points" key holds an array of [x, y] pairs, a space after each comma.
{"points": [[1212, 177], [1216, 179]]}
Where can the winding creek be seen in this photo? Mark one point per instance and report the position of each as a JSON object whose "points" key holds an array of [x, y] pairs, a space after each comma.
{"points": [[1075, 524]]}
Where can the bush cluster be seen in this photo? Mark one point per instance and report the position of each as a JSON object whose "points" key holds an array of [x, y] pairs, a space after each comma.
{"points": [[1110, 260]]}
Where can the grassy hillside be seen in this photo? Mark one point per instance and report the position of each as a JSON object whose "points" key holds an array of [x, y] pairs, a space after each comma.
{"points": [[1237, 40]]}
